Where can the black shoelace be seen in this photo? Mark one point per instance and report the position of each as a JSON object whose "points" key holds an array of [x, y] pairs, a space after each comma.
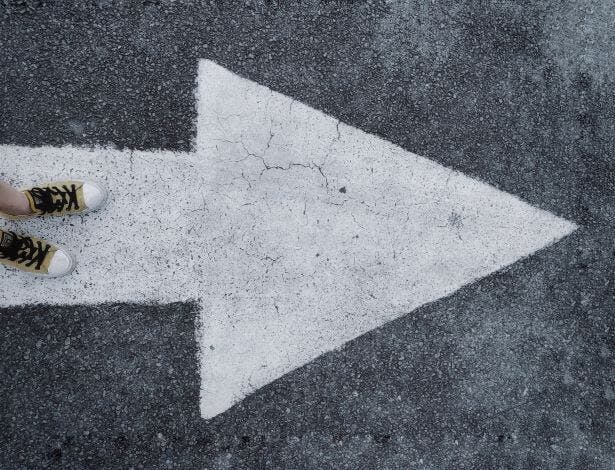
{"points": [[23, 250], [55, 198]]}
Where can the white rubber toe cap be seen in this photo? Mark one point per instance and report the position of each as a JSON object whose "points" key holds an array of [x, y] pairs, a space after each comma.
{"points": [[61, 264], [94, 195]]}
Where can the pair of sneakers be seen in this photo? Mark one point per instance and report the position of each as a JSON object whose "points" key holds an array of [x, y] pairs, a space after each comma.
{"points": [[35, 255]]}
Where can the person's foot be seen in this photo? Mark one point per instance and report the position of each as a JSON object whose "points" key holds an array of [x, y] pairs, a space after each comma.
{"points": [[34, 255], [63, 198]]}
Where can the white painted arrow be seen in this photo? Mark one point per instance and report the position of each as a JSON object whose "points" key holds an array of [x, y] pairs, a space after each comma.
{"points": [[296, 232]]}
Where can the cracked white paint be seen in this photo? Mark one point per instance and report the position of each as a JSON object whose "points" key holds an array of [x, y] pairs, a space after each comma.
{"points": [[296, 233]]}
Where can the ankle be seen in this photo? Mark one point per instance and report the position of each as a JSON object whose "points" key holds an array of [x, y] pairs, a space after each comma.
{"points": [[21, 205]]}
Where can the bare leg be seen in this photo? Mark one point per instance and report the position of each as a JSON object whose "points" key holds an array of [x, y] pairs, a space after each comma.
{"points": [[12, 201]]}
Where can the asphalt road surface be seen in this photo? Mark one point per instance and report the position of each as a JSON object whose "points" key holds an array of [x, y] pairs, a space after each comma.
{"points": [[513, 371]]}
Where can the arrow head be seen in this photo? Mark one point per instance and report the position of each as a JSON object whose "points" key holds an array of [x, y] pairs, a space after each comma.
{"points": [[332, 232]]}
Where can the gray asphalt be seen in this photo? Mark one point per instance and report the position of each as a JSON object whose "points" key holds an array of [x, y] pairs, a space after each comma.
{"points": [[516, 371]]}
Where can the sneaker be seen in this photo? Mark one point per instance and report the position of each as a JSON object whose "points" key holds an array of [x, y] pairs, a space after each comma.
{"points": [[34, 255], [63, 198]]}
